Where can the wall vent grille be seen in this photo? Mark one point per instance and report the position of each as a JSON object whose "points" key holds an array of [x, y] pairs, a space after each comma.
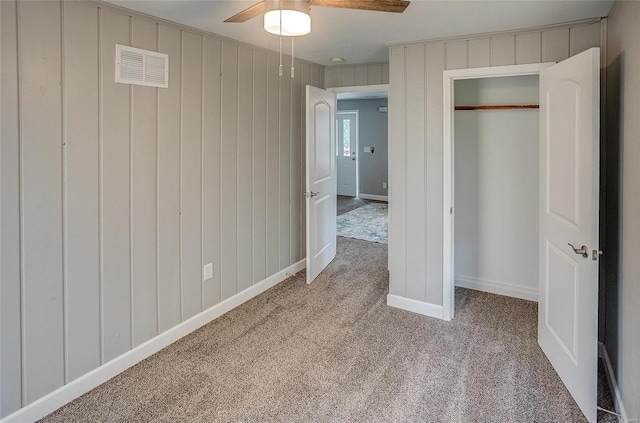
{"points": [[141, 67]]}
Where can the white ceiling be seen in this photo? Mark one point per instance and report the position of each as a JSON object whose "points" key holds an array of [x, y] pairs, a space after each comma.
{"points": [[360, 36]]}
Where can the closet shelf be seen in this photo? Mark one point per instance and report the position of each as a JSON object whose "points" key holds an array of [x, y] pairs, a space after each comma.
{"points": [[499, 107]]}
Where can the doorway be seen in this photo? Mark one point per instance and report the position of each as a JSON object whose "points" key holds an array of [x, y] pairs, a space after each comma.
{"points": [[496, 185], [482, 90], [362, 162]]}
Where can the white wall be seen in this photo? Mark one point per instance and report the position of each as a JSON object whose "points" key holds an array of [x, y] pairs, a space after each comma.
{"points": [[356, 75], [622, 215], [114, 196], [416, 140], [496, 187]]}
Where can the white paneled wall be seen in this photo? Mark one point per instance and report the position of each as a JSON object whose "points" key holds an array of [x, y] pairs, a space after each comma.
{"points": [[416, 139], [114, 196], [356, 75]]}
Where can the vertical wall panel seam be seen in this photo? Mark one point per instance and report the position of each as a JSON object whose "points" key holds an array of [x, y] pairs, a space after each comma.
{"points": [[466, 54], [426, 165], [253, 163], [23, 368], [180, 126], [221, 88], [302, 177], [466, 58], [266, 168], [290, 112], [202, 117], [63, 134], [444, 48], [237, 169], [131, 323], [158, 194], [157, 240], [266, 164], [490, 51], [100, 195], [279, 122], [291, 221], [405, 170], [540, 37]]}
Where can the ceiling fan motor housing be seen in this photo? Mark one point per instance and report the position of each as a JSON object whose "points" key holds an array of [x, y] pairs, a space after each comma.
{"points": [[287, 17]]}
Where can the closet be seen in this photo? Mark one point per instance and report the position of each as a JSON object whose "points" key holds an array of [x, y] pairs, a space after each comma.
{"points": [[496, 178]]}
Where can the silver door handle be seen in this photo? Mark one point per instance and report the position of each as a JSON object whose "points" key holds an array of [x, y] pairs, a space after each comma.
{"points": [[582, 250], [311, 194]]}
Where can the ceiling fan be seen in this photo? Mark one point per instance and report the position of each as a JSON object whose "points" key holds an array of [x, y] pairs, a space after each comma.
{"points": [[266, 6]]}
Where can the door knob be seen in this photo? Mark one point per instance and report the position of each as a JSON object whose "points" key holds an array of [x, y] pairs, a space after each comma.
{"points": [[582, 250], [311, 194]]}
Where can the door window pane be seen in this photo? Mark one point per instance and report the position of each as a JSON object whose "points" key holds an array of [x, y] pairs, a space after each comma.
{"points": [[346, 137]]}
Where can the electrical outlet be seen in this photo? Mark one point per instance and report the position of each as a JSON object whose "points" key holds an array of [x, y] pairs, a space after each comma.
{"points": [[207, 271], [384, 185]]}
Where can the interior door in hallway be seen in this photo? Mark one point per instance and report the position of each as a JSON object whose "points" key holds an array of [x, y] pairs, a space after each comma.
{"points": [[320, 180], [569, 198], [347, 153]]}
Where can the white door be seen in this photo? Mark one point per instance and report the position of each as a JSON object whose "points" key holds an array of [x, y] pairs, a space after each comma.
{"points": [[569, 184], [347, 153], [321, 180]]}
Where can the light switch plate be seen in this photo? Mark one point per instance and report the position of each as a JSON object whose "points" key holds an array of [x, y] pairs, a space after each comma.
{"points": [[207, 271]]}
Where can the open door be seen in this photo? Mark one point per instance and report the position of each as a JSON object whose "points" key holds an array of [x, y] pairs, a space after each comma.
{"points": [[321, 180], [569, 196]]}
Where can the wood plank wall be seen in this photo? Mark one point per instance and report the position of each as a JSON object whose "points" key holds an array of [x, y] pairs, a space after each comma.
{"points": [[115, 196], [356, 75], [416, 147]]}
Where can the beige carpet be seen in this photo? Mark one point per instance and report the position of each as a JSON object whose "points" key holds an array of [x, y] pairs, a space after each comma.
{"points": [[334, 352]]}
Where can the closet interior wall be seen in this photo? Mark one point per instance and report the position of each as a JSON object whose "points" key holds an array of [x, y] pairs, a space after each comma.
{"points": [[496, 186]]}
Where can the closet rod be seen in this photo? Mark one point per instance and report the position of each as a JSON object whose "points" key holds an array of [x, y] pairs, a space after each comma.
{"points": [[499, 107]]}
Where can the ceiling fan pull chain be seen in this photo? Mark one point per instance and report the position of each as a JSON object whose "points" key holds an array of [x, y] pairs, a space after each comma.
{"points": [[293, 71], [280, 68]]}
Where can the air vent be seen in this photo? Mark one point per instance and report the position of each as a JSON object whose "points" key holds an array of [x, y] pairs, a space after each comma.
{"points": [[141, 67]]}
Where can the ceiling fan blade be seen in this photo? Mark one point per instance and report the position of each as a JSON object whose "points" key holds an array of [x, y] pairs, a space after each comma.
{"points": [[396, 6], [248, 13]]}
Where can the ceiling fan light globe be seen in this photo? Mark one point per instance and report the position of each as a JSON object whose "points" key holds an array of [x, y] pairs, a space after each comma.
{"points": [[294, 22]]}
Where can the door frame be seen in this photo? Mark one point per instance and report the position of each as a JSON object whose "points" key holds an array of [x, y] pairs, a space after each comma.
{"points": [[338, 113], [448, 222], [365, 89]]}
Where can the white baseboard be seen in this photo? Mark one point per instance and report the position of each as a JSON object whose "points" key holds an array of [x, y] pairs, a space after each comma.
{"points": [[374, 197], [72, 390], [613, 384], [495, 287], [415, 306]]}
